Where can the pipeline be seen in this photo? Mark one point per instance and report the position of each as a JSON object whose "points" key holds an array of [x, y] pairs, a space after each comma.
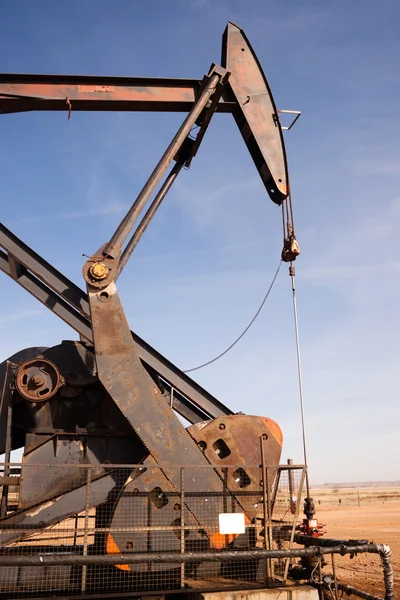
{"points": [[309, 540], [383, 550], [193, 557], [352, 591]]}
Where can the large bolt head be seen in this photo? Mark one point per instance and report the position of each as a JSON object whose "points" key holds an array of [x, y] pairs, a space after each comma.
{"points": [[99, 271]]}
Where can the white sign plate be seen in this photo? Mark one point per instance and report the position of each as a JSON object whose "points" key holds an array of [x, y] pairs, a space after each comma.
{"points": [[231, 523]]}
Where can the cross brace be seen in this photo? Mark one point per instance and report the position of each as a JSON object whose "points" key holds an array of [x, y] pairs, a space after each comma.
{"points": [[70, 303]]}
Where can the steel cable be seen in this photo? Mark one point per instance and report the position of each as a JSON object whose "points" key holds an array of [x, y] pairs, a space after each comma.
{"points": [[209, 362]]}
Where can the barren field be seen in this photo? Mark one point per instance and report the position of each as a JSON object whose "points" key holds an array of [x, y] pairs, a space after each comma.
{"points": [[363, 513]]}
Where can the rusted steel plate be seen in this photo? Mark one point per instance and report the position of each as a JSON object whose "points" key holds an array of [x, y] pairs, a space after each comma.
{"points": [[256, 114], [235, 440], [133, 390], [50, 92], [50, 512], [9, 480]]}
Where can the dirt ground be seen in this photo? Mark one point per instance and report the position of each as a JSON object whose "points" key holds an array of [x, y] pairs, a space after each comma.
{"points": [[371, 514]]}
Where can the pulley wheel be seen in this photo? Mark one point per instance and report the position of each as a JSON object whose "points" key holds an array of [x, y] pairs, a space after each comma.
{"points": [[37, 380]]}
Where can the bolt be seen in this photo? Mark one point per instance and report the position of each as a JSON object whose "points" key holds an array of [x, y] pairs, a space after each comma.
{"points": [[37, 380], [99, 271], [222, 426]]}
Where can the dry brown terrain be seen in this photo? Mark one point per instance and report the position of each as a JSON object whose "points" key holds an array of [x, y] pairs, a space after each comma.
{"points": [[363, 513]]}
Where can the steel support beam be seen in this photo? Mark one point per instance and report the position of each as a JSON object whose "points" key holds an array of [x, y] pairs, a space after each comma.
{"points": [[25, 92], [69, 302]]}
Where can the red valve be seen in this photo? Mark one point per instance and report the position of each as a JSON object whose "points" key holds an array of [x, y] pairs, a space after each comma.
{"points": [[310, 527]]}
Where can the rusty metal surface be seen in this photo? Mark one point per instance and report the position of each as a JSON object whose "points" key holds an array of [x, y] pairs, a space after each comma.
{"points": [[41, 483], [79, 424], [256, 114], [149, 495], [135, 393], [6, 393], [233, 440], [16, 526], [37, 380], [24, 92]]}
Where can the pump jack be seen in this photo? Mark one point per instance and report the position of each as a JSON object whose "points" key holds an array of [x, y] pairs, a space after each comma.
{"points": [[111, 398]]}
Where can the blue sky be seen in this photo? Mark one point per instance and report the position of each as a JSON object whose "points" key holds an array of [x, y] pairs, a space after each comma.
{"points": [[203, 266]]}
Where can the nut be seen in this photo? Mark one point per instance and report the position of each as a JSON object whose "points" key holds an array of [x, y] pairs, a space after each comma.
{"points": [[99, 271]]}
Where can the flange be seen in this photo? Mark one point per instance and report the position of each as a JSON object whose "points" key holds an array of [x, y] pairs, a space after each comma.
{"points": [[37, 380]]}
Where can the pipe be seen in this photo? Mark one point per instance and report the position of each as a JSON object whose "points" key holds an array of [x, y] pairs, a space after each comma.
{"points": [[309, 540], [349, 547], [352, 591], [191, 557], [12, 560]]}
